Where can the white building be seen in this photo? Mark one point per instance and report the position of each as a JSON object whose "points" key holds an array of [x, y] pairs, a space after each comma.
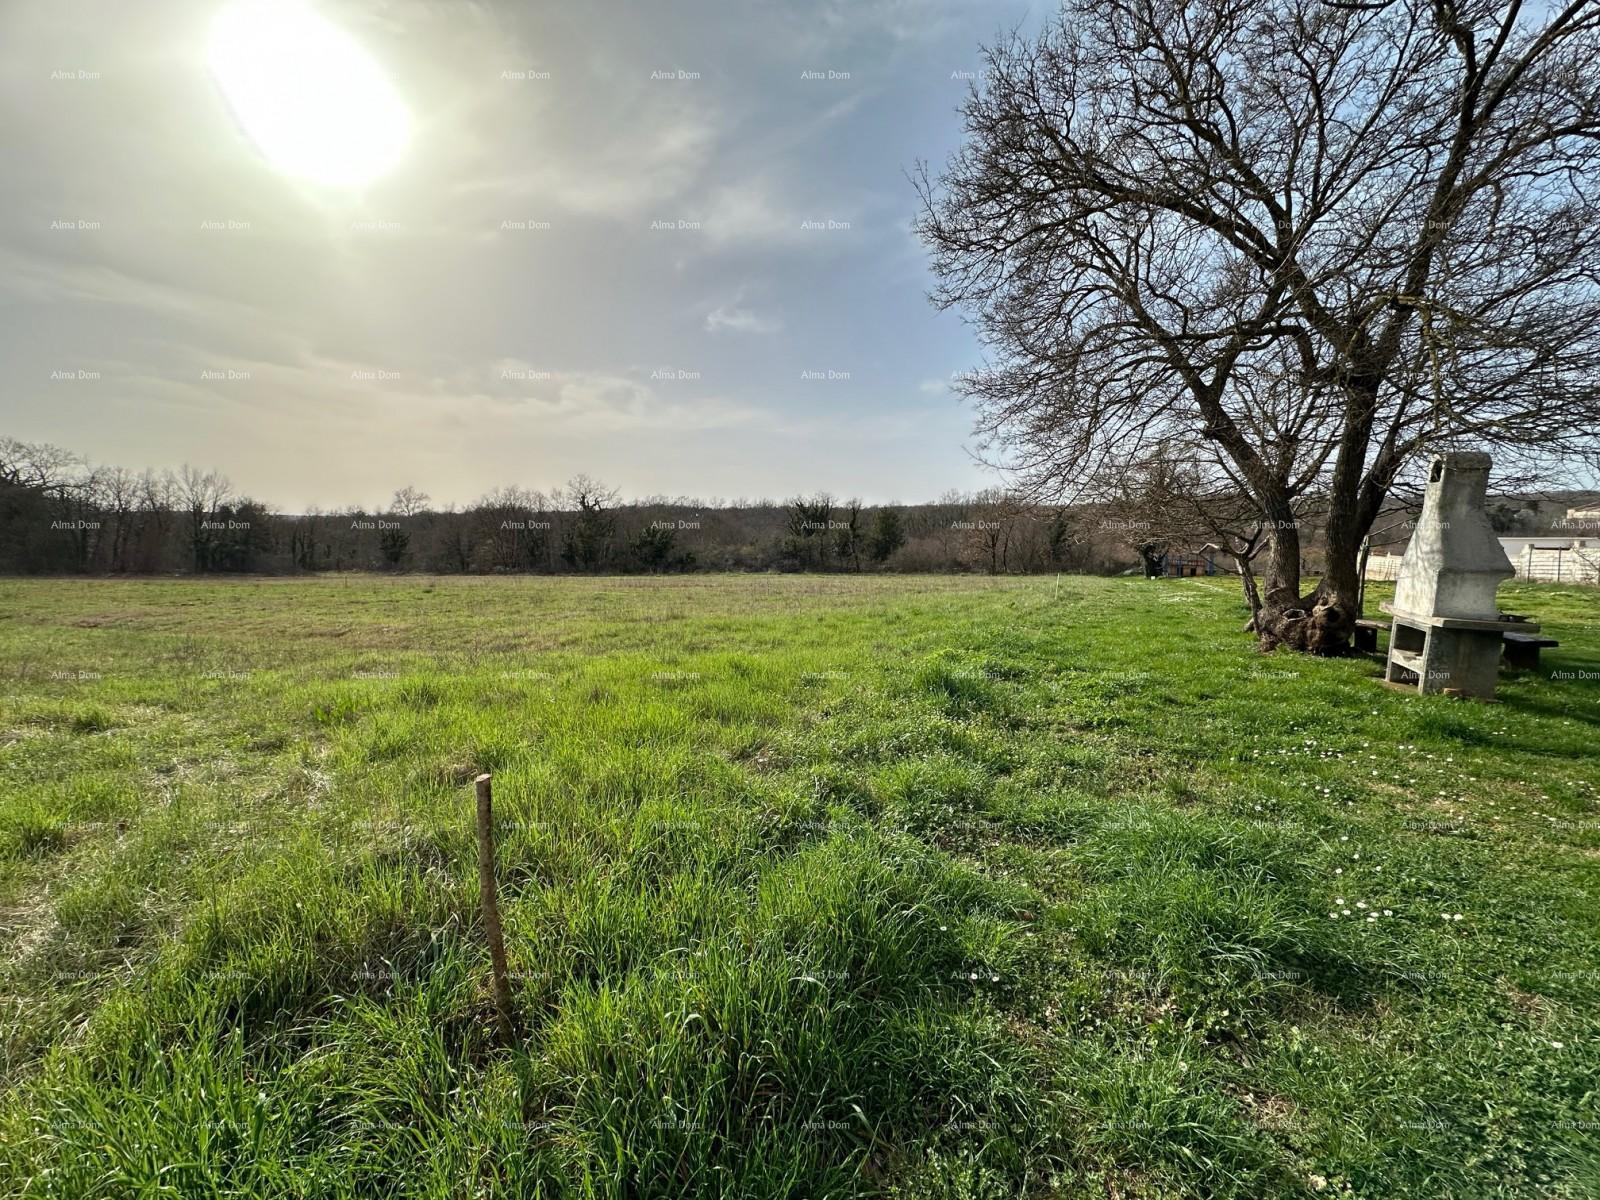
{"points": [[1570, 553]]}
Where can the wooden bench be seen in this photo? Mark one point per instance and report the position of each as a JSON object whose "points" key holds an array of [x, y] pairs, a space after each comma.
{"points": [[1522, 649], [1366, 635]]}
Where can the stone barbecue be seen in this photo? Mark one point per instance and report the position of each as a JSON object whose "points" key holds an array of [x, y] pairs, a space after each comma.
{"points": [[1447, 626]]}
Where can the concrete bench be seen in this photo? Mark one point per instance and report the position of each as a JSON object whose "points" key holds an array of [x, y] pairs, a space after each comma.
{"points": [[1522, 649]]}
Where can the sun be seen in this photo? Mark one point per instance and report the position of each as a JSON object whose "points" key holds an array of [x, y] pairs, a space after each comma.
{"points": [[312, 100]]}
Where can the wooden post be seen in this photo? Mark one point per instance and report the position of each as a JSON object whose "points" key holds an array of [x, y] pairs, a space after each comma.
{"points": [[491, 912]]}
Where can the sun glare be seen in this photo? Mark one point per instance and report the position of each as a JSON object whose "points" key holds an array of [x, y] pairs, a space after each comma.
{"points": [[308, 95]]}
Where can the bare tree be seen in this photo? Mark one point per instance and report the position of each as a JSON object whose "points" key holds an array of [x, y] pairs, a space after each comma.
{"points": [[989, 529], [39, 466], [941, 523], [304, 538], [155, 519], [409, 502], [589, 534], [47, 507], [849, 535], [200, 494], [508, 532], [119, 500], [1186, 496], [1320, 237]]}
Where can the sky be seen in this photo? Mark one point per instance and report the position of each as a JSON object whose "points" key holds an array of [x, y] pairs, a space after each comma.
{"points": [[666, 244]]}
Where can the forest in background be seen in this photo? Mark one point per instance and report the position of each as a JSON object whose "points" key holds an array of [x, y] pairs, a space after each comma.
{"points": [[61, 515]]}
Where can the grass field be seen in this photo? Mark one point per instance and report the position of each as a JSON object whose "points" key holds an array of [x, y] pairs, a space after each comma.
{"points": [[813, 887]]}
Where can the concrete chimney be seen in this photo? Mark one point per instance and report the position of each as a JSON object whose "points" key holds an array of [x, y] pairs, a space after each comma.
{"points": [[1454, 561]]}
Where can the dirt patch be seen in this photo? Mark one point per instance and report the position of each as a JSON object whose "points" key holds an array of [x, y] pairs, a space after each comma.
{"points": [[1276, 1114]]}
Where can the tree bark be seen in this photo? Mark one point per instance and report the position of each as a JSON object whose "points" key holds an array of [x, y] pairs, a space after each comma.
{"points": [[1252, 593], [1322, 621], [1149, 560]]}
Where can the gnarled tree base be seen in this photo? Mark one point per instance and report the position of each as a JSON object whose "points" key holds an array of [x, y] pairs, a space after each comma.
{"points": [[1314, 624]]}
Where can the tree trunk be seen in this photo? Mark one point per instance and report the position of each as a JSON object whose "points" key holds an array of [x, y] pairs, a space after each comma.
{"points": [[1321, 622], [1283, 560], [1150, 560]]}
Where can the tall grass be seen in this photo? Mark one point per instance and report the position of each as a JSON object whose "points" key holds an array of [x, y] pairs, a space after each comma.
{"points": [[812, 887]]}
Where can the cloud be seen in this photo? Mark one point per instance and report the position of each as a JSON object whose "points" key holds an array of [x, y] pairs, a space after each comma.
{"points": [[305, 341], [771, 212], [595, 401], [641, 170], [740, 320], [834, 24], [593, 137]]}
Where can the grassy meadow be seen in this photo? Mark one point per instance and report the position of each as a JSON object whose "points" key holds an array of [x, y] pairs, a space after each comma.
{"points": [[813, 887]]}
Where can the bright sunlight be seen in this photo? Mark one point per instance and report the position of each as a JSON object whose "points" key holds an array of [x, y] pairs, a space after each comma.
{"points": [[310, 97]]}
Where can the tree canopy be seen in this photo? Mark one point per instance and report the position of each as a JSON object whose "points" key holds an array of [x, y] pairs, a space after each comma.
{"points": [[1319, 237]]}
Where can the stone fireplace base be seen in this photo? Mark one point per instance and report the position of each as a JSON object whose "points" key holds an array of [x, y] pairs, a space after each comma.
{"points": [[1456, 654]]}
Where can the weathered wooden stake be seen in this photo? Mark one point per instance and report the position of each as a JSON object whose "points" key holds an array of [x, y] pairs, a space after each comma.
{"points": [[491, 912]]}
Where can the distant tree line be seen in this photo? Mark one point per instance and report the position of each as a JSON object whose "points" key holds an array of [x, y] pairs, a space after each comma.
{"points": [[62, 515]]}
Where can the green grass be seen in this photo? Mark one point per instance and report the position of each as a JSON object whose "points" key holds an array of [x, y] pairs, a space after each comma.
{"points": [[812, 887]]}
